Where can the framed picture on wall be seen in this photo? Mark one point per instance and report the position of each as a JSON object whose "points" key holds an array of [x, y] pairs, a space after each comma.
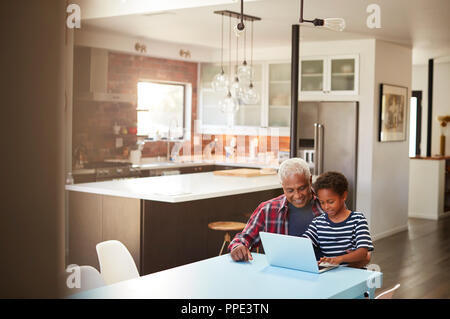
{"points": [[393, 110]]}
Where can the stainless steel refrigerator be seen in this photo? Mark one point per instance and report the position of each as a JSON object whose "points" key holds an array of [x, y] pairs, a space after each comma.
{"points": [[328, 140]]}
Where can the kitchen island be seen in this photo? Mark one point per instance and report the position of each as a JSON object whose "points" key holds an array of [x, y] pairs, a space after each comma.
{"points": [[162, 220]]}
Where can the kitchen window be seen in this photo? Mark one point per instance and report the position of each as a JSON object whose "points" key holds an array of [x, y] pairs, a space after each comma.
{"points": [[162, 109]]}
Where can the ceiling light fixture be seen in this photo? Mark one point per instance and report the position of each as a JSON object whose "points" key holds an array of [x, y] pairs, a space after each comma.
{"points": [[336, 24], [244, 71], [140, 47], [221, 80], [251, 96], [238, 90], [229, 104]]}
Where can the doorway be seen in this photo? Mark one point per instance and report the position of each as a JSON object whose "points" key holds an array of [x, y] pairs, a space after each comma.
{"points": [[415, 121]]}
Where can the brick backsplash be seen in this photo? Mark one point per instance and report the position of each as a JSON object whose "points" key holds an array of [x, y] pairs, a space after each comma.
{"points": [[93, 121]]}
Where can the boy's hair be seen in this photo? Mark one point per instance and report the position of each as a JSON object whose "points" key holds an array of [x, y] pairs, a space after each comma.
{"points": [[331, 180]]}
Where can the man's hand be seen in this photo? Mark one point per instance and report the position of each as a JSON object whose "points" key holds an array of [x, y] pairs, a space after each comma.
{"points": [[241, 253]]}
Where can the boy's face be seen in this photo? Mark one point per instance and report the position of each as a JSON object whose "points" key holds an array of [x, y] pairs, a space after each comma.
{"points": [[331, 202], [297, 189]]}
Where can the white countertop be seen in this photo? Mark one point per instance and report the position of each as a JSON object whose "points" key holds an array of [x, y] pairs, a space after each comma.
{"points": [[180, 188]]}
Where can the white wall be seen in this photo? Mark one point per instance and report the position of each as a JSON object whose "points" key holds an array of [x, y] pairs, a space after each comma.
{"points": [[390, 171], [426, 188]]}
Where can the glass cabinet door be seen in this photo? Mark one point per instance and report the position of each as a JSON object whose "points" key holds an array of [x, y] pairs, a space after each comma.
{"points": [[209, 99], [312, 74], [342, 74], [211, 113], [207, 73], [279, 94]]}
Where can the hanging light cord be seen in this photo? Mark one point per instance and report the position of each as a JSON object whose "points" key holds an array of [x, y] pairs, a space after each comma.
{"points": [[245, 46], [229, 49], [251, 58], [221, 52], [237, 53]]}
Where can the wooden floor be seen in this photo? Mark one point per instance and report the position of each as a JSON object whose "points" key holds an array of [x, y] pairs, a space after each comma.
{"points": [[418, 259]]}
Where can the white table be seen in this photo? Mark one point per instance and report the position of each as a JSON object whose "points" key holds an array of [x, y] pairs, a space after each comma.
{"points": [[222, 278]]}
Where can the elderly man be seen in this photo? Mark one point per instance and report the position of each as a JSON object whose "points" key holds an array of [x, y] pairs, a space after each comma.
{"points": [[289, 214]]}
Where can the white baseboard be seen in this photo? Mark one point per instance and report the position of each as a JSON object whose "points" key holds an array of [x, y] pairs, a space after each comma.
{"points": [[422, 216], [389, 232]]}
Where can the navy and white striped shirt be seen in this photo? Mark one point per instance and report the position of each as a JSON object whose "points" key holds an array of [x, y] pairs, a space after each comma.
{"points": [[334, 239]]}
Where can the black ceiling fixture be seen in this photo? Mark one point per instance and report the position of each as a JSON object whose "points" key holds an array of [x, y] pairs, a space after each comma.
{"points": [[336, 24]]}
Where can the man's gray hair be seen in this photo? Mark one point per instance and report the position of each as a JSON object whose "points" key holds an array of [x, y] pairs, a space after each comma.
{"points": [[293, 166]]}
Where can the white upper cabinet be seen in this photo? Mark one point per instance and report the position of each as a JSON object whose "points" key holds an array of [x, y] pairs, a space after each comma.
{"points": [[329, 76]]}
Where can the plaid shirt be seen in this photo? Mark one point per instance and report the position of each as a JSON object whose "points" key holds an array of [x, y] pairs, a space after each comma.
{"points": [[271, 217]]}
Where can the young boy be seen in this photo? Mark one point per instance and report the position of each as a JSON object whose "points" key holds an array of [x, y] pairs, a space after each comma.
{"points": [[342, 235]]}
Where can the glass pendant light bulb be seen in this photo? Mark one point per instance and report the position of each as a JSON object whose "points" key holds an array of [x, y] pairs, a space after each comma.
{"points": [[244, 72], [336, 24], [229, 104], [250, 95], [236, 88], [220, 82]]}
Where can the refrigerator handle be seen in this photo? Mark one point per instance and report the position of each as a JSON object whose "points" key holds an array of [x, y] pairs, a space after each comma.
{"points": [[318, 149]]}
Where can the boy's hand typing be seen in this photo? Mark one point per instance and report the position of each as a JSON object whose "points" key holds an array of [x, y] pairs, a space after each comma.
{"points": [[331, 260], [355, 258]]}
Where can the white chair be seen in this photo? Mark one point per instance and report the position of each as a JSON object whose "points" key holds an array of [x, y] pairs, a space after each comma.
{"points": [[116, 262], [388, 293], [89, 278]]}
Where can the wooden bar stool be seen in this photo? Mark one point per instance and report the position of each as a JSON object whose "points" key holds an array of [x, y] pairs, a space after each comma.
{"points": [[227, 227]]}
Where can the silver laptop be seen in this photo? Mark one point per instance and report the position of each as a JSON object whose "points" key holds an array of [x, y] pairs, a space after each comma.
{"points": [[292, 252]]}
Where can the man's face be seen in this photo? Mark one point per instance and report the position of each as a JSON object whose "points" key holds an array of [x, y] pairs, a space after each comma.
{"points": [[297, 189]]}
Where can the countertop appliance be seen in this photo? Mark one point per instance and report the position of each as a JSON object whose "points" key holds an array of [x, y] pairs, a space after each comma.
{"points": [[328, 140]]}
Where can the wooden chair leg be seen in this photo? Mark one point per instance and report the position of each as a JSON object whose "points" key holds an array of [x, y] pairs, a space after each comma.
{"points": [[223, 245], [226, 239]]}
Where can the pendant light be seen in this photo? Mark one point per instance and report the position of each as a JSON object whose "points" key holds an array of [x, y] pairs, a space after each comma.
{"points": [[237, 89], [221, 80], [244, 70], [251, 96], [229, 104]]}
